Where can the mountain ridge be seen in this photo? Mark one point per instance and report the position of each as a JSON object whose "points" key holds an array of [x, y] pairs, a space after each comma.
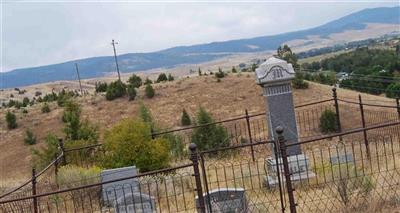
{"points": [[130, 62]]}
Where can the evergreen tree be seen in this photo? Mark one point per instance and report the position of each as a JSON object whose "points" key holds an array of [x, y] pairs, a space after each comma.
{"points": [[148, 81], [45, 108], [149, 91], [11, 120], [145, 114], [30, 138], [162, 77], [234, 70], [209, 136], [131, 92], [115, 90], [170, 77], [135, 81], [199, 71], [185, 119]]}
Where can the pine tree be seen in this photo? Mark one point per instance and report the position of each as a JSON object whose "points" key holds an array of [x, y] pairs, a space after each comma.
{"points": [[162, 77], [185, 119], [135, 81], [149, 91], [170, 77], [30, 138], [131, 92], [234, 70], [199, 71], [11, 120]]}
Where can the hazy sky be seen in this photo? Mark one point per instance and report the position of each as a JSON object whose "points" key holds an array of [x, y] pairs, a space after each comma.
{"points": [[45, 32]]}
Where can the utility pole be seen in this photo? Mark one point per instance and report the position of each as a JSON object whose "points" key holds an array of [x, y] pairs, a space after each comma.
{"points": [[79, 77], [116, 60]]}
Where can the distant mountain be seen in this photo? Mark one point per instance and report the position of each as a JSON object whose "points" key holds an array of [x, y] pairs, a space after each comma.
{"points": [[100, 66]]}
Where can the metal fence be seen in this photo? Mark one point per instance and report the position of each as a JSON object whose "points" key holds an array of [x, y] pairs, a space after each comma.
{"points": [[338, 177], [241, 165]]}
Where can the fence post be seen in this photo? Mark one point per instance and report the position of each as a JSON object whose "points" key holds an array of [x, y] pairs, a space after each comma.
{"points": [[363, 125], [152, 133], [61, 145], [289, 187], [398, 107], [249, 132], [339, 125], [35, 203], [194, 158]]}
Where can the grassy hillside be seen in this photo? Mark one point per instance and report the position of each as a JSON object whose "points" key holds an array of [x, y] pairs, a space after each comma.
{"points": [[226, 99]]}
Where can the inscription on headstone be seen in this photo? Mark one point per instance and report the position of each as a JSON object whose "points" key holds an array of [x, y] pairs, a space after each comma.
{"points": [[135, 203], [299, 167], [225, 200], [112, 191]]}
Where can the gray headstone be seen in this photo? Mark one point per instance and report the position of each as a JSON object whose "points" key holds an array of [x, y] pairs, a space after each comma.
{"points": [[113, 191], [135, 203], [225, 200], [341, 159], [274, 76], [299, 167]]}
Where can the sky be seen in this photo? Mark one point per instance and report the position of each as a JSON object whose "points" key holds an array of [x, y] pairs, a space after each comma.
{"points": [[35, 33]]}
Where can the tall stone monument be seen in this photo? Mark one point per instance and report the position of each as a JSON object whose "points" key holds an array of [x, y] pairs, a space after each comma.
{"points": [[274, 76]]}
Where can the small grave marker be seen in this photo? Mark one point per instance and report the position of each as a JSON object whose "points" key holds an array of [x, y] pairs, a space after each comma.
{"points": [[135, 203], [112, 191], [225, 200]]}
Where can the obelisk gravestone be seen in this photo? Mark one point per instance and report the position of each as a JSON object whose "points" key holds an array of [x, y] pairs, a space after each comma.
{"points": [[274, 76]]}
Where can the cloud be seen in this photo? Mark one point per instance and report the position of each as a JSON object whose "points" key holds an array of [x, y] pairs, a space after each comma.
{"points": [[44, 33]]}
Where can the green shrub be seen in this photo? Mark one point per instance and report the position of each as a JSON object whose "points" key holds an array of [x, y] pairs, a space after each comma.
{"points": [[298, 82], [63, 97], [115, 90], [170, 77], [83, 157], [45, 108], [210, 136], [30, 138], [135, 81], [176, 146], [101, 87], [11, 120], [25, 102], [148, 81], [185, 119], [145, 114], [393, 90], [25, 111], [162, 77], [219, 74], [129, 143], [71, 118], [234, 70], [46, 154], [131, 90], [328, 122], [149, 91]]}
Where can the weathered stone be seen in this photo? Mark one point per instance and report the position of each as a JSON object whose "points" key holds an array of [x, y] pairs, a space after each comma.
{"points": [[225, 200]]}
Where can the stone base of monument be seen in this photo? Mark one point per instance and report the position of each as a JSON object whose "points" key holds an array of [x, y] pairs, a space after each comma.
{"points": [[299, 168]]}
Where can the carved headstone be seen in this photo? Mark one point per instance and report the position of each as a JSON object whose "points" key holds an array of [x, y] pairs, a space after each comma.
{"points": [[114, 190], [225, 200], [274, 76], [299, 167]]}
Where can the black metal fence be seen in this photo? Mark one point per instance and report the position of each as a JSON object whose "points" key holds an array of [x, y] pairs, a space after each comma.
{"points": [[336, 177]]}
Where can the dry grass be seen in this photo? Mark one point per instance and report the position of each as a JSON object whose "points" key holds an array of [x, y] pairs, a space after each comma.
{"points": [[226, 99]]}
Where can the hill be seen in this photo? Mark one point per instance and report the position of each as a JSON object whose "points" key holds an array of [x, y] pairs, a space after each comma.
{"points": [[365, 23], [226, 99]]}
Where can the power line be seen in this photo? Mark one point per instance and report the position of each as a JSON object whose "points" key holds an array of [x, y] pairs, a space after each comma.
{"points": [[115, 56]]}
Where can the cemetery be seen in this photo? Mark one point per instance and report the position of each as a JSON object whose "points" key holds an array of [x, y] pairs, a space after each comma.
{"points": [[267, 166]]}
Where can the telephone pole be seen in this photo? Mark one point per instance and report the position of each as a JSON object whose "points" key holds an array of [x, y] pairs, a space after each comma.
{"points": [[115, 56], [79, 77]]}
